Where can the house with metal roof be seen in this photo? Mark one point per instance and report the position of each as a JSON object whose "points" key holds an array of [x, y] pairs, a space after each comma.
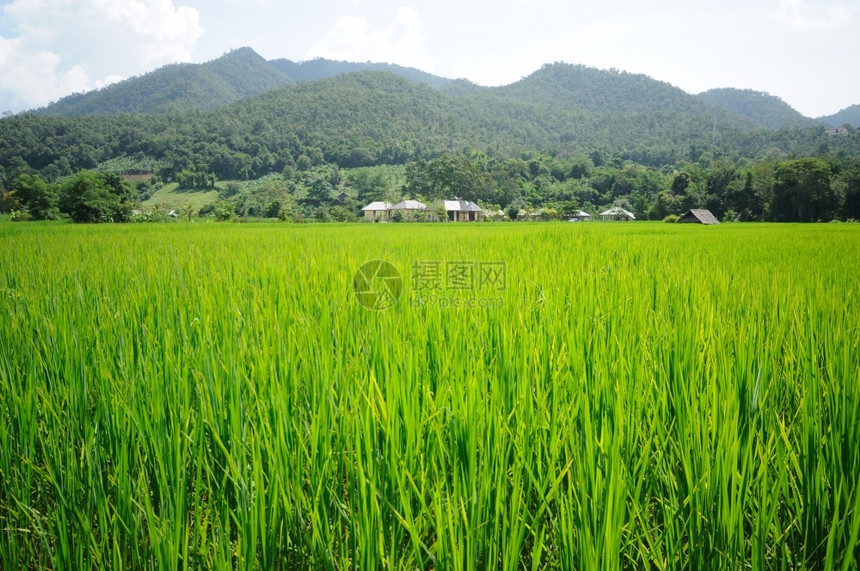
{"points": [[408, 211], [377, 210], [462, 211], [698, 216], [617, 213]]}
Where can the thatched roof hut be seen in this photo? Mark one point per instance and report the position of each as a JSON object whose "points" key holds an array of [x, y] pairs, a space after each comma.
{"points": [[698, 216]]}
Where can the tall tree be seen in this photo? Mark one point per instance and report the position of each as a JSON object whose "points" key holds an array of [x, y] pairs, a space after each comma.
{"points": [[848, 184], [36, 196], [97, 197], [803, 192]]}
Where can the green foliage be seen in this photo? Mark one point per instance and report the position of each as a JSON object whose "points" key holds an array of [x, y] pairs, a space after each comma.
{"points": [[371, 184], [320, 68], [97, 197], [20, 216], [375, 118], [848, 116], [343, 214], [215, 397], [139, 164], [178, 87], [847, 184], [192, 179], [671, 218], [37, 197], [223, 211], [171, 198], [564, 135], [765, 109], [802, 191], [265, 197]]}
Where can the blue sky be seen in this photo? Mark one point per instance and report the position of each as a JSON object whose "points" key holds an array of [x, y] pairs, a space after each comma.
{"points": [[803, 51]]}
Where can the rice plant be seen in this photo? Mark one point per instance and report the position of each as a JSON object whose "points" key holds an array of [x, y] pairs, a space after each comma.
{"points": [[629, 396]]}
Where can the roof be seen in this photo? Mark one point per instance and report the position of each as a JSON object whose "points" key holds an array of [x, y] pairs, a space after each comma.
{"points": [[461, 206], [583, 214], [618, 211], [699, 215], [409, 205], [378, 205]]}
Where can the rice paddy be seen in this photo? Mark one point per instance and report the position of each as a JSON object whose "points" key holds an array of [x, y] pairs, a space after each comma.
{"points": [[526, 396]]}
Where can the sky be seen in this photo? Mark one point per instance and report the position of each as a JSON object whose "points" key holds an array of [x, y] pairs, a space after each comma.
{"points": [[803, 51]]}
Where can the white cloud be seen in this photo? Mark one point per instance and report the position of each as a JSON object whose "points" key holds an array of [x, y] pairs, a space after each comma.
{"points": [[799, 14], [31, 78], [74, 45], [352, 39]]}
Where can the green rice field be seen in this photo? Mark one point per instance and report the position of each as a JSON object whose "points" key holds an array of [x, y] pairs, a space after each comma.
{"points": [[497, 396]]}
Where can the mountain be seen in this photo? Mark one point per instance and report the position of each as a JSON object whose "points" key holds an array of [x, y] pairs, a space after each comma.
{"points": [[765, 109], [178, 87], [369, 118], [848, 116], [320, 68], [601, 91]]}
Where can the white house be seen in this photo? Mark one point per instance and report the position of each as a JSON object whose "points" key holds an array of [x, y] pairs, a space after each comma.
{"points": [[462, 211], [617, 213], [377, 210]]}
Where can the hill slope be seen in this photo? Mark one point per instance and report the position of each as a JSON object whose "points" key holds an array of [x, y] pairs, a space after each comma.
{"points": [[849, 115], [178, 87], [320, 68], [372, 118], [765, 109]]}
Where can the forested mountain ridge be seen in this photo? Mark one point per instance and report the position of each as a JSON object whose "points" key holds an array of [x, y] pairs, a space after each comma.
{"points": [[229, 78], [602, 91], [242, 73], [320, 68], [562, 139], [373, 118], [765, 109], [178, 87], [848, 116]]}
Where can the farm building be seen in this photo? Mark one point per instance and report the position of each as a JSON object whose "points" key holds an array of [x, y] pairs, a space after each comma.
{"points": [[698, 216], [462, 211], [408, 206], [617, 213], [376, 210], [409, 210]]}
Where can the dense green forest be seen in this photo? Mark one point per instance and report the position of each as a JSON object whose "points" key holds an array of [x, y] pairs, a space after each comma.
{"points": [[178, 87], [767, 110], [565, 138]]}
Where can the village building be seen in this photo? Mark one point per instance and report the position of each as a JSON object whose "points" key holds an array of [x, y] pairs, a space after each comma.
{"points": [[377, 210], [698, 216], [414, 210], [408, 210], [617, 213], [462, 211]]}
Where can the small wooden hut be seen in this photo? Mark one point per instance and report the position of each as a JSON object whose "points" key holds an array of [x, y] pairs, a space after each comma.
{"points": [[698, 216]]}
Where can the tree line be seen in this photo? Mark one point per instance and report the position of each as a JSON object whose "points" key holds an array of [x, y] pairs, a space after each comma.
{"points": [[789, 189]]}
